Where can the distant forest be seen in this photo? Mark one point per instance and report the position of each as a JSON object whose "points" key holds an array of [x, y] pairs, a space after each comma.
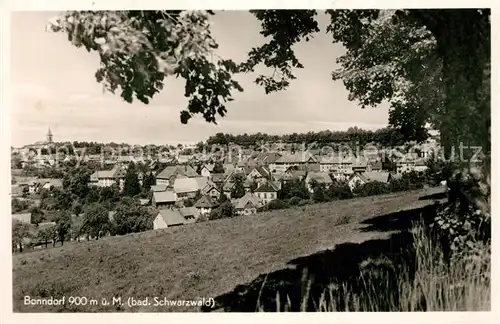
{"points": [[385, 137]]}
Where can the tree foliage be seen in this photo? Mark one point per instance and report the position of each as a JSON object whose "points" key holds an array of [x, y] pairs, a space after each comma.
{"points": [[370, 189], [148, 181], [294, 188], [238, 190], [19, 205], [138, 49], [63, 225], [431, 65], [131, 187], [76, 182], [320, 192], [22, 234], [218, 168], [384, 137], [225, 210], [130, 217], [96, 221], [37, 215]]}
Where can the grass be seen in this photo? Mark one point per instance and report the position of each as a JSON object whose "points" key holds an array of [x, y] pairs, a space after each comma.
{"points": [[193, 261], [434, 285]]}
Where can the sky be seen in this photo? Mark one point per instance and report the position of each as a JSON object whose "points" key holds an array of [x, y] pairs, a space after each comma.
{"points": [[54, 86]]}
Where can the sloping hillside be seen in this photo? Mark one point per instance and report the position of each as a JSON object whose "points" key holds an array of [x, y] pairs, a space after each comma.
{"points": [[194, 261]]}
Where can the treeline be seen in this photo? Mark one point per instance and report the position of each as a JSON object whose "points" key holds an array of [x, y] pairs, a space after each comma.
{"points": [[384, 136], [296, 193]]}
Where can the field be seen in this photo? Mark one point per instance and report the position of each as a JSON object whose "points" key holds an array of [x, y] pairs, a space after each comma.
{"points": [[224, 259]]}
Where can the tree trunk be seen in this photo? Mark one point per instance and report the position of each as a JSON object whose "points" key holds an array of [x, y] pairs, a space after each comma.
{"points": [[20, 248], [46, 243]]}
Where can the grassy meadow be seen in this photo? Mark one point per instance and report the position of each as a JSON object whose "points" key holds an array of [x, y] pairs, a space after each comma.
{"points": [[294, 259]]}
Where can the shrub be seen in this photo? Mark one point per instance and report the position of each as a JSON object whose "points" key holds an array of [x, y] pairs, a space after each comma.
{"points": [[277, 204], [201, 219], [304, 202], [339, 190], [294, 201], [466, 220], [19, 205], [225, 210], [346, 219], [371, 188]]}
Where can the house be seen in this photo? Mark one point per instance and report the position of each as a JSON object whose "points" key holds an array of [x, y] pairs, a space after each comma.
{"points": [[267, 192], [264, 158], [159, 188], [248, 184], [144, 202], [49, 183], [375, 166], [163, 199], [23, 218], [227, 188], [32, 186], [285, 177], [339, 166], [259, 174], [292, 159], [107, 178], [189, 213], [297, 172], [336, 163], [248, 204], [318, 177], [360, 165], [168, 218], [229, 168], [218, 178], [408, 163], [170, 173], [359, 179], [241, 166], [420, 165], [205, 205], [189, 187], [207, 170], [212, 190]]}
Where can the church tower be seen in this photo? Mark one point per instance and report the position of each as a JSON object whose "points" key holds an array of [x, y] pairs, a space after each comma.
{"points": [[49, 136]]}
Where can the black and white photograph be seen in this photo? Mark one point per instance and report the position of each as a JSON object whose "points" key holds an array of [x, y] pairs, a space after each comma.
{"points": [[264, 160]]}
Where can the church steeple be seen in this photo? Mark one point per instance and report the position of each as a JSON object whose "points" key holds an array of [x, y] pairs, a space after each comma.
{"points": [[49, 136]]}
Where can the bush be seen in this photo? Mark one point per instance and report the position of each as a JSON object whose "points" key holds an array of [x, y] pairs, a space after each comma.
{"points": [[201, 219], [466, 220], [339, 190], [304, 202], [371, 189], [277, 204], [19, 205], [294, 201], [225, 210]]}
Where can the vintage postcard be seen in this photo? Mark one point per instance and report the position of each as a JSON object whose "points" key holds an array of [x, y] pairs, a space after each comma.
{"points": [[271, 160]]}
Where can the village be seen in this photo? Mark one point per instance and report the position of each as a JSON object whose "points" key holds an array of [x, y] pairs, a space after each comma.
{"points": [[188, 188]]}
